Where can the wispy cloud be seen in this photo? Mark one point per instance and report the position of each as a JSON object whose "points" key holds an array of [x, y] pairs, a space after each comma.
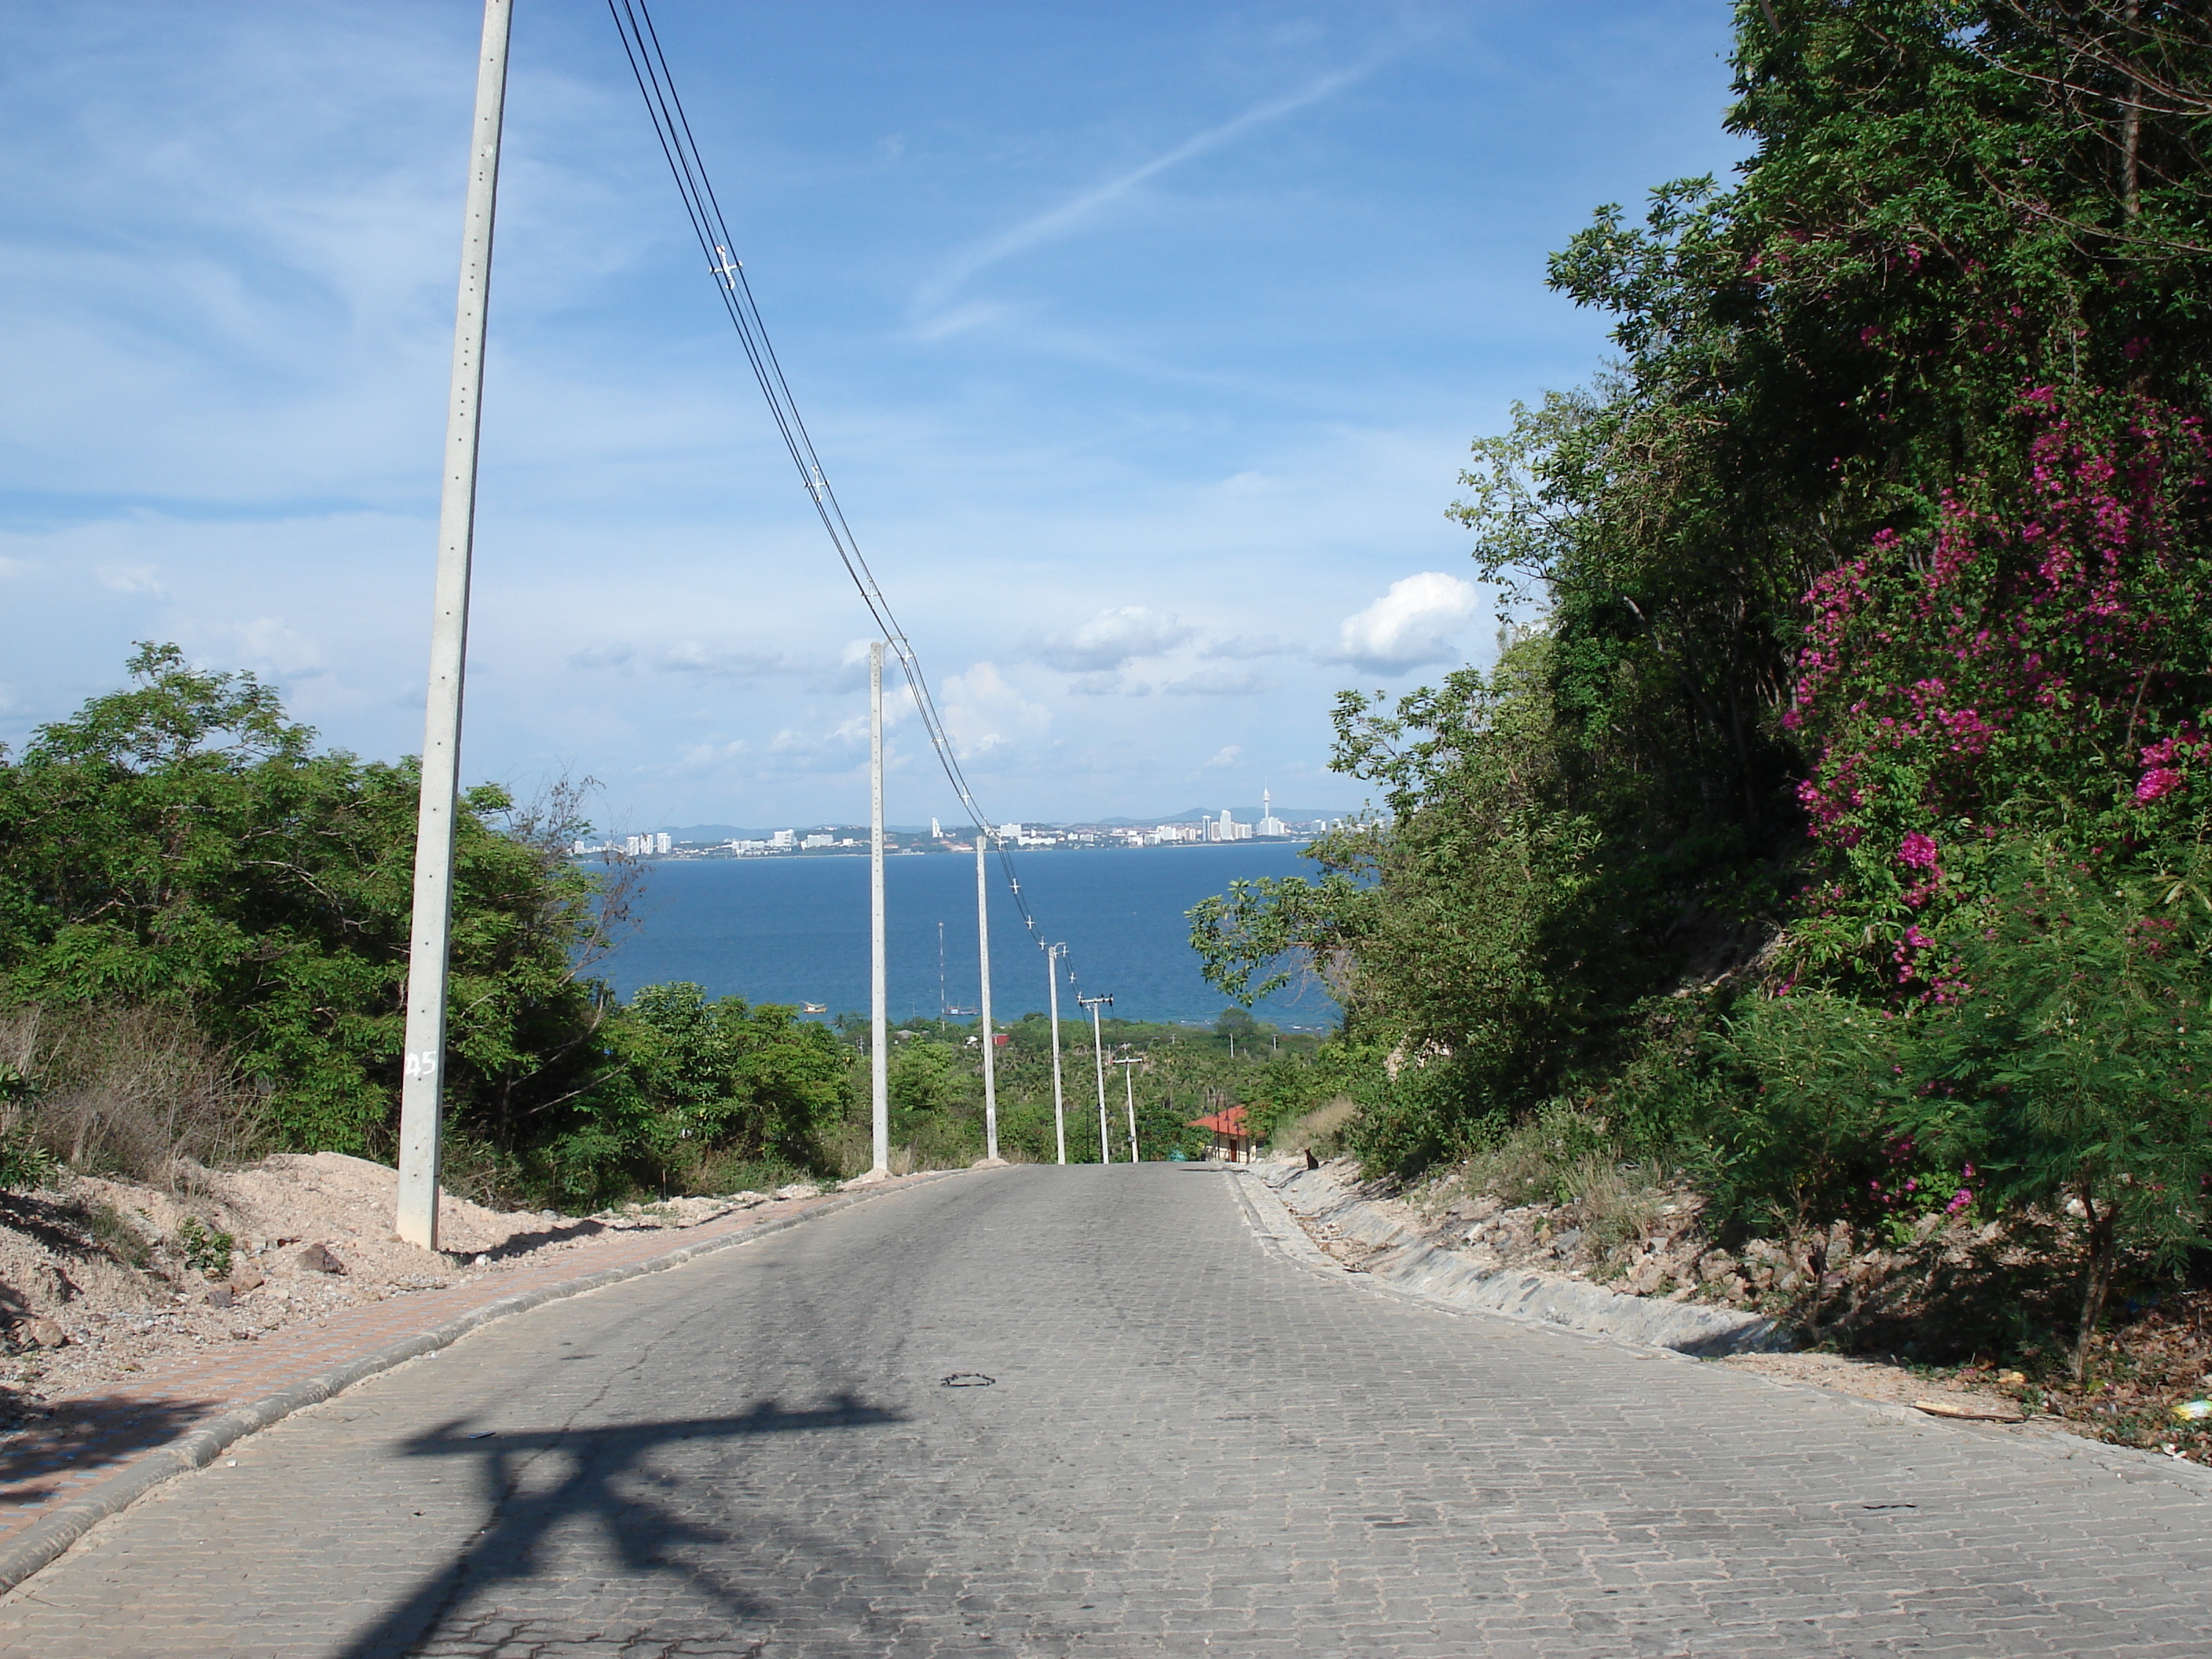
{"points": [[1112, 638], [1072, 214], [1221, 683]]}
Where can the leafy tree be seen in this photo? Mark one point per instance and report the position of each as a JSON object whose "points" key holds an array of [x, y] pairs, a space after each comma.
{"points": [[925, 1077], [686, 1083], [2072, 1071], [183, 843]]}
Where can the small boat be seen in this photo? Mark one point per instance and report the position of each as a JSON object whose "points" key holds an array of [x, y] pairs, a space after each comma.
{"points": [[813, 1007]]}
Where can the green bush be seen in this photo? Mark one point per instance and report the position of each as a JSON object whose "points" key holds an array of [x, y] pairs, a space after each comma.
{"points": [[204, 1249]]}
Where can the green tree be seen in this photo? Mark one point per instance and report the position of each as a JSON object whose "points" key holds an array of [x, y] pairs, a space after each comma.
{"points": [[2072, 1070]]}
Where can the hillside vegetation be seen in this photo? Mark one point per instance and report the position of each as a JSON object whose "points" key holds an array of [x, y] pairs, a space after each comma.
{"points": [[203, 924], [203, 948], [1831, 826]]}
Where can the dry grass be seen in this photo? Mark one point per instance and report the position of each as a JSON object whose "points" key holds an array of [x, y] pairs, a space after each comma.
{"points": [[1613, 1201], [1320, 1132], [133, 1091]]}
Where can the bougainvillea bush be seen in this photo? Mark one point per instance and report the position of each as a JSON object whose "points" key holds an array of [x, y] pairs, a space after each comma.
{"points": [[1852, 733], [2038, 662]]}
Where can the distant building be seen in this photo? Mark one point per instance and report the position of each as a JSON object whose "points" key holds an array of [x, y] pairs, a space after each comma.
{"points": [[1270, 827], [1011, 832], [1226, 828], [817, 840], [784, 839], [935, 833], [662, 842]]}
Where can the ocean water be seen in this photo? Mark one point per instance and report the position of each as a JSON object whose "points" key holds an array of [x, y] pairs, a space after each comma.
{"points": [[795, 930]]}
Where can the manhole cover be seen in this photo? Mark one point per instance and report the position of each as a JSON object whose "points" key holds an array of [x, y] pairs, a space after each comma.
{"points": [[968, 1380]]}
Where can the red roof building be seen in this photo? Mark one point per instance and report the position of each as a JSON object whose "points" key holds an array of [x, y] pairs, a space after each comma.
{"points": [[1232, 1137]]}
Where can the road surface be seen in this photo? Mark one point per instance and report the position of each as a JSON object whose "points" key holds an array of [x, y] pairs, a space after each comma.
{"points": [[1186, 1444]]}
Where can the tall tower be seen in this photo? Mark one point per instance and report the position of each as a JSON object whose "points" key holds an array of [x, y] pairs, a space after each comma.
{"points": [[1266, 804]]}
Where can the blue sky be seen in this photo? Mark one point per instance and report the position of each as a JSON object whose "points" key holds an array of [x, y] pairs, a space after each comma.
{"points": [[1142, 341]]}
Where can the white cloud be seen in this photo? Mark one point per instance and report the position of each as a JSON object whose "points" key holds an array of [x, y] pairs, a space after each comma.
{"points": [[1225, 758], [1410, 624], [728, 661], [708, 757], [721, 659], [1221, 683], [984, 714], [1113, 639], [271, 645], [1072, 214], [130, 579], [1246, 646]]}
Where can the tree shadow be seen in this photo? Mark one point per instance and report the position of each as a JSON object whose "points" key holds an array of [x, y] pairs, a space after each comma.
{"points": [[644, 1536], [86, 1435], [523, 1243]]}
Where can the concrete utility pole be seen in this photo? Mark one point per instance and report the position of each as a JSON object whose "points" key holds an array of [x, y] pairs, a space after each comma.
{"points": [[422, 1088], [1129, 1093], [1059, 1100], [878, 1024], [1098, 1055], [983, 1008]]}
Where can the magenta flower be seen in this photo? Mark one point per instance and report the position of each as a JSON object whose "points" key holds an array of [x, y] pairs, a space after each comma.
{"points": [[1917, 850]]}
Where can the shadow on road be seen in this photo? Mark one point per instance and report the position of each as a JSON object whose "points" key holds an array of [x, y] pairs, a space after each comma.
{"points": [[92, 1435], [603, 1480]]}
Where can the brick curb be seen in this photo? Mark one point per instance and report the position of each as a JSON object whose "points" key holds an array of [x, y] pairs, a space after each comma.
{"points": [[53, 1532], [1278, 1229]]}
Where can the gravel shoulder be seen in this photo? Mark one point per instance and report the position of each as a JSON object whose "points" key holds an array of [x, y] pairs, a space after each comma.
{"points": [[103, 1280]]}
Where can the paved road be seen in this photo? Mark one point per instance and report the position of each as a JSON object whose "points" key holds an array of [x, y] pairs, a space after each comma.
{"points": [[1190, 1446]]}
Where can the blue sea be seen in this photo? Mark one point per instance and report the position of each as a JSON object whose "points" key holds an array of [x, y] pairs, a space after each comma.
{"points": [[795, 930]]}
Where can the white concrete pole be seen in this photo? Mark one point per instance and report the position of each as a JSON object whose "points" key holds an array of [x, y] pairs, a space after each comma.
{"points": [[983, 1008], [1058, 1099], [1098, 1058], [1129, 1094], [879, 1021], [422, 1086]]}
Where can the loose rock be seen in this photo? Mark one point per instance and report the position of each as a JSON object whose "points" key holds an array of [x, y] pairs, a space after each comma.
{"points": [[318, 1259]]}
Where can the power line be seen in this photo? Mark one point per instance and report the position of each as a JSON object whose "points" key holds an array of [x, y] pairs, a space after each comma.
{"points": [[671, 127]]}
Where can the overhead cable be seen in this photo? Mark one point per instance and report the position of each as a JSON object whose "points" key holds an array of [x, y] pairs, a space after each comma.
{"points": [[673, 128]]}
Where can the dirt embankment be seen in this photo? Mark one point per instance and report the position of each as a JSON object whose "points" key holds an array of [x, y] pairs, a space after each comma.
{"points": [[101, 1278]]}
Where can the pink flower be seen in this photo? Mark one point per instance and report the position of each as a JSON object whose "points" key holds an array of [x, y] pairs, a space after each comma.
{"points": [[1917, 850]]}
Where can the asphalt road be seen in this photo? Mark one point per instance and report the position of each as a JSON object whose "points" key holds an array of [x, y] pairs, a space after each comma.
{"points": [[1186, 1444]]}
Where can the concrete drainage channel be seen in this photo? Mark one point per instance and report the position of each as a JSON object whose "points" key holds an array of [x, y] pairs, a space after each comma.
{"points": [[62, 1526], [1411, 1265], [1417, 1271]]}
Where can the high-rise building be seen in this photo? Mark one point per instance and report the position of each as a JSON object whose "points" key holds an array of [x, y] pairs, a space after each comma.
{"points": [[784, 839], [1270, 826], [662, 842], [935, 833]]}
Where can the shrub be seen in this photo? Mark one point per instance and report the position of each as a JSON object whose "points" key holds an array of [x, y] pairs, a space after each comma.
{"points": [[204, 1249]]}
